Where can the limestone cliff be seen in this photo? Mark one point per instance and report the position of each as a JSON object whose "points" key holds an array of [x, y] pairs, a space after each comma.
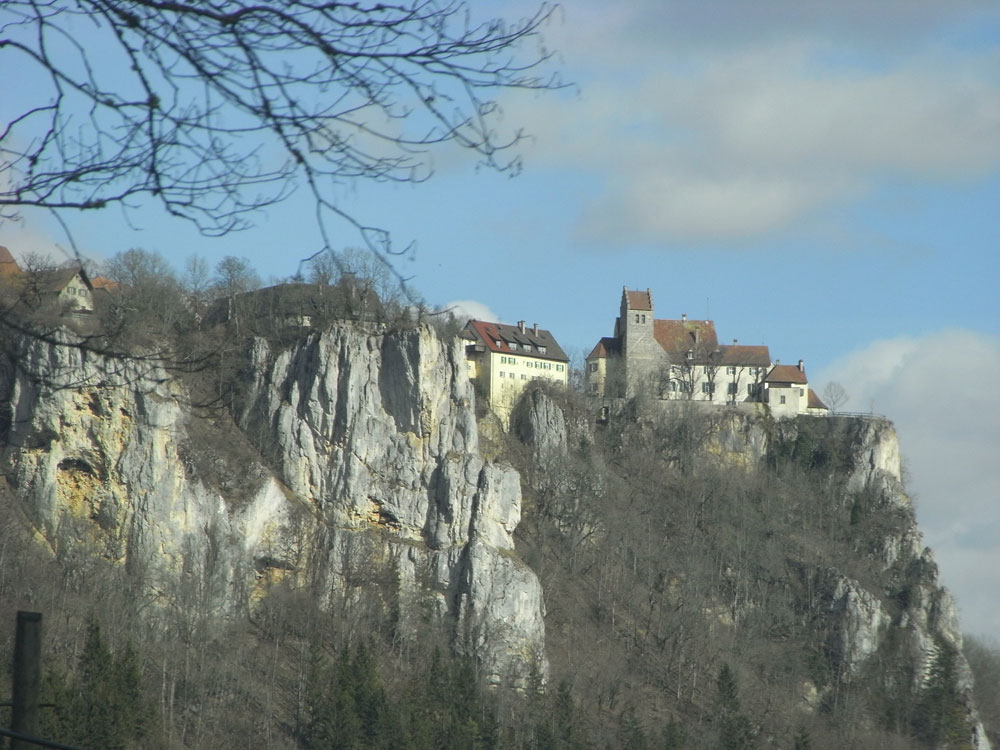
{"points": [[357, 466], [875, 626]]}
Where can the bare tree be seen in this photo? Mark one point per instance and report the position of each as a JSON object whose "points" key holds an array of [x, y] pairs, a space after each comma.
{"points": [[835, 395], [235, 276], [214, 110]]}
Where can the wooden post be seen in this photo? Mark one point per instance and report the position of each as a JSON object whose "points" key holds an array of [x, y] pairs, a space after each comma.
{"points": [[27, 676]]}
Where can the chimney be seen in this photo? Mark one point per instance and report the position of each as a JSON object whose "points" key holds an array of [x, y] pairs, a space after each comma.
{"points": [[684, 317], [520, 325], [535, 329], [802, 367]]}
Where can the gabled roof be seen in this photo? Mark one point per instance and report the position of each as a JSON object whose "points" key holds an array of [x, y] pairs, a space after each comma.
{"points": [[746, 356], [606, 347], [57, 279], [5, 256], [488, 334], [679, 336], [815, 402], [638, 300], [786, 374]]}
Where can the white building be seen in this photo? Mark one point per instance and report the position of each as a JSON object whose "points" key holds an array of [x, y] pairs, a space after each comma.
{"points": [[672, 359]]}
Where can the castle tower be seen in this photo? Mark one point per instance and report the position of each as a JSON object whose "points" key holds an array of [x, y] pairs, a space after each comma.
{"points": [[641, 353]]}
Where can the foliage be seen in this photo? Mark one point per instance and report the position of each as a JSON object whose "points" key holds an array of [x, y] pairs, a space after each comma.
{"points": [[984, 660], [102, 704], [214, 111], [350, 709], [940, 717]]}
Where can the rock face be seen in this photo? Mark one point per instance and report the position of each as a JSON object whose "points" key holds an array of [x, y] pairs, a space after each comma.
{"points": [[356, 465], [898, 615]]}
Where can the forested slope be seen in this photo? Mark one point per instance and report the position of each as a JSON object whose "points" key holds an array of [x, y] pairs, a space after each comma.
{"points": [[334, 553]]}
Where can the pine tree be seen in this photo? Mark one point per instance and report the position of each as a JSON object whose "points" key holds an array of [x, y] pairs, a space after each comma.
{"points": [[735, 729], [674, 737], [940, 718]]}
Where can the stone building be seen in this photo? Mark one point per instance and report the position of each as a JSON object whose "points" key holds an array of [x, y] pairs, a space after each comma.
{"points": [[672, 359]]}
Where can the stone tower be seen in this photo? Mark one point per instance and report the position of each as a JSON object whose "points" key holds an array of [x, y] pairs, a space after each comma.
{"points": [[641, 353]]}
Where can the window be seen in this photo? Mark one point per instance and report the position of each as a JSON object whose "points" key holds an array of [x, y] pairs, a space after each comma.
{"points": [[643, 318], [498, 342], [559, 368], [523, 376], [732, 389], [637, 317], [673, 386], [751, 389], [513, 346], [592, 366], [708, 387], [782, 399], [503, 374], [541, 350], [731, 370]]}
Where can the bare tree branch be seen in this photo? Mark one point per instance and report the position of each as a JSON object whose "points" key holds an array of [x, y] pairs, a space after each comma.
{"points": [[218, 108]]}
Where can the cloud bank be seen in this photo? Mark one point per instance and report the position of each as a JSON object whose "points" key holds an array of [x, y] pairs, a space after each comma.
{"points": [[728, 121]]}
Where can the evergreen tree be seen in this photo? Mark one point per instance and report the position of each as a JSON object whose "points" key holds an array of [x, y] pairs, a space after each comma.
{"points": [[102, 705], [674, 737], [940, 719], [735, 729]]}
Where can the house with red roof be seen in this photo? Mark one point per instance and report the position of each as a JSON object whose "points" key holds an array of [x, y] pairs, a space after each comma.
{"points": [[66, 290], [502, 359], [786, 391], [673, 359]]}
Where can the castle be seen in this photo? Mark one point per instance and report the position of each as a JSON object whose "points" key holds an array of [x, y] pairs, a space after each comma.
{"points": [[683, 360]]}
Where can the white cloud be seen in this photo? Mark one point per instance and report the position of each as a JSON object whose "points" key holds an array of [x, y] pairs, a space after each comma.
{"points": [[692, 141], [939, 391], [464, 309]]}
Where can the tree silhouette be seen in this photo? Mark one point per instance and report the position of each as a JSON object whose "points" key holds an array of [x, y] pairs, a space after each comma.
{"points": [[216, 108]]}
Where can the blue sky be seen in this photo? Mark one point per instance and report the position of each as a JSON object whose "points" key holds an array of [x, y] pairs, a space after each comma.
{"points": [[820, 177]]}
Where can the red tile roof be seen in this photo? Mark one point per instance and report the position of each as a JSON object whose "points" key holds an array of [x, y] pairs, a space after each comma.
{"points": [[786, 374], [639, 300], [815, 402], [489, 334], [750, 356], [678, 336], [102, 282], [606, 347]]}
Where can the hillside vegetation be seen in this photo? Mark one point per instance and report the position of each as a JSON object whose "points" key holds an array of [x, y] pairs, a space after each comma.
{"points": [[711, 580]]}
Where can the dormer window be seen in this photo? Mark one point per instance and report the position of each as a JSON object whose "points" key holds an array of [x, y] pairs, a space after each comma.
{"points": [[513, 346], [499, 343], [541, 350]]}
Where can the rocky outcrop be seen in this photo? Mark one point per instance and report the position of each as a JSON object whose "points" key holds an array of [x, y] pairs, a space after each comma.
{"points": [[884, 619], [356, 464]]}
